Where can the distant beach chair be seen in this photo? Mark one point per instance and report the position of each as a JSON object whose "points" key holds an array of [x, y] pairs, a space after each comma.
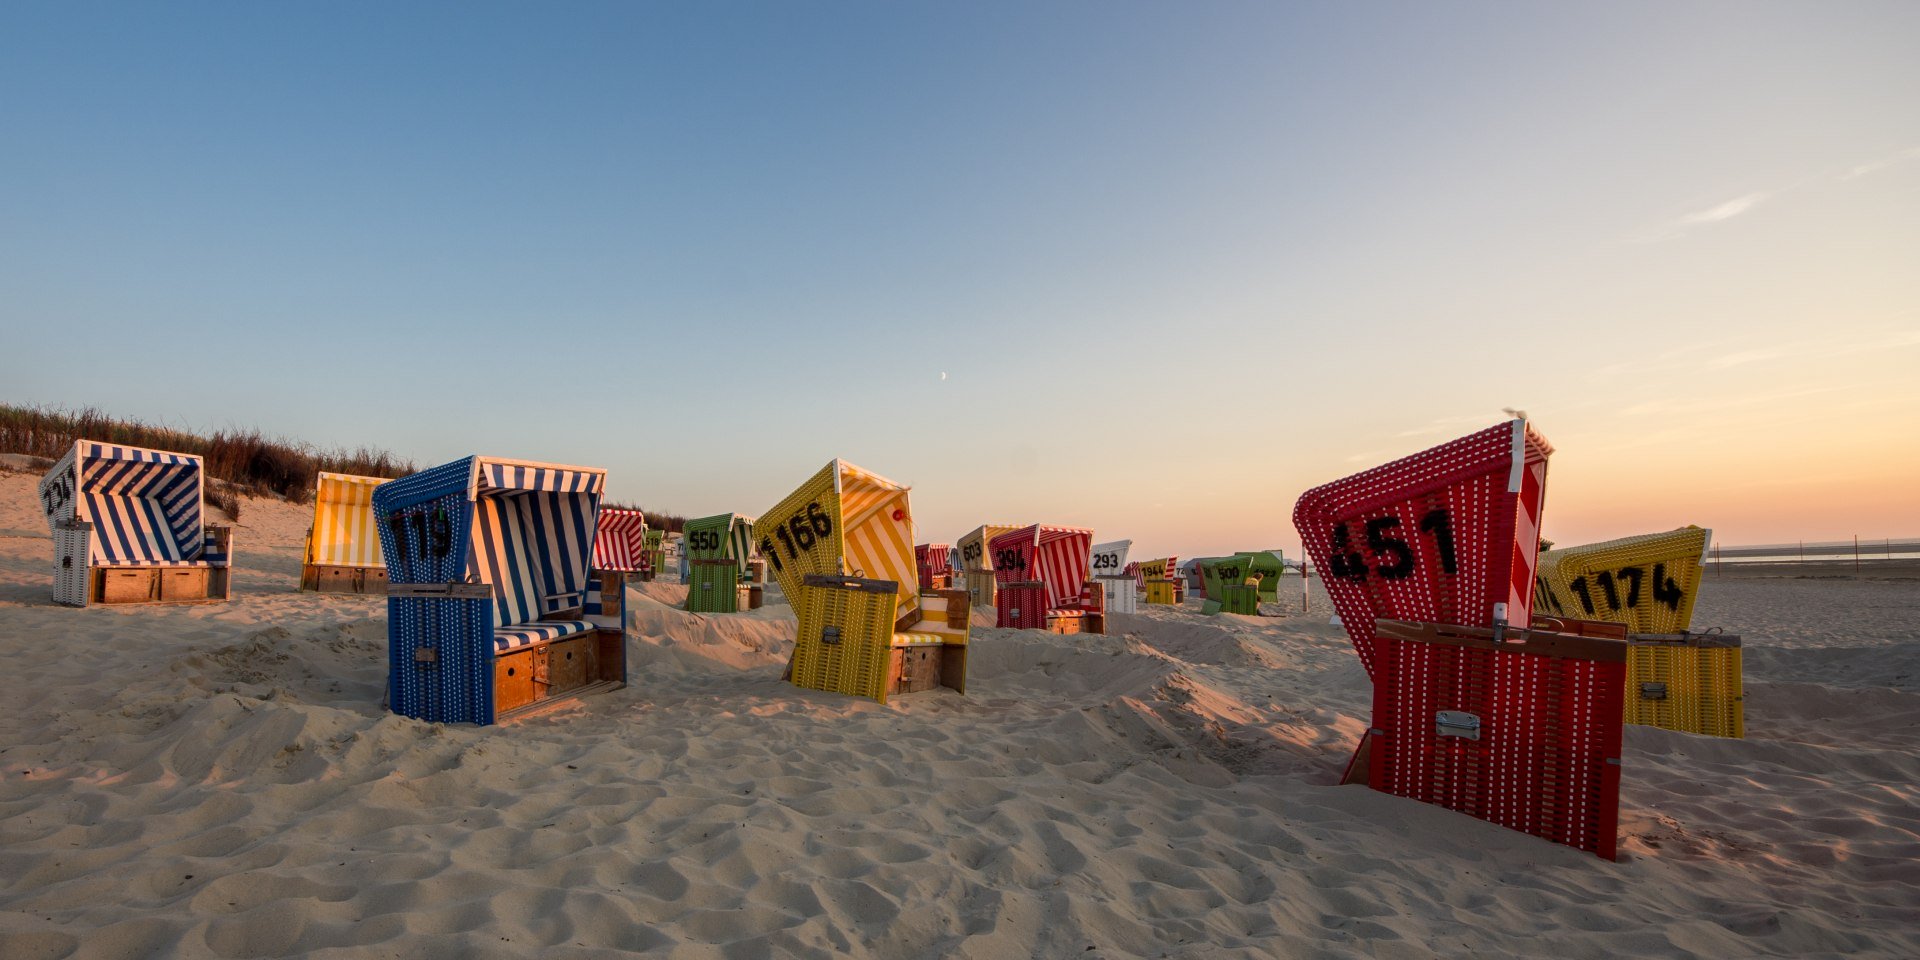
{"points": [[978, 563], [343, 547], [717, 549], [493, 610], [1239, 582], [128, 527], [1041, 573], [841, 546], [1269, 566], [1232, 586], [1195, 577], [656, 554], [1676, 680], [1119, 589], [1429, 561], [934, 561], [1159, 580]]}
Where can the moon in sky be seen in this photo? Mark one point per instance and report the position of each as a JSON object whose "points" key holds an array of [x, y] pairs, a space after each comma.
{"points": [[943, 374]]}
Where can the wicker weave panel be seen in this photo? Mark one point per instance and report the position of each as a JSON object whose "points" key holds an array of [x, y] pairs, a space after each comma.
{"points": [[1648, 582], [857, 664], [1239, 598], [1547, 758], [1447, 535], [712, 587], [1686, 687]]}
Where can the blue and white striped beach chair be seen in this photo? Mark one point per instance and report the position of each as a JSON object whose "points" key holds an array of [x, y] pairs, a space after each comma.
{"points": [[493, 610], [128, 528]]}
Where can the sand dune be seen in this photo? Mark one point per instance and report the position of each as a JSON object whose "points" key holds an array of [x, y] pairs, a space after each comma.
{"points": [[222, 781]]}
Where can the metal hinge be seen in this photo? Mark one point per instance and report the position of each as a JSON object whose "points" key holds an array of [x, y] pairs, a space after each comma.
{"points": [[1458, 723], [1653, 690], [426, 655], [830, 635]]}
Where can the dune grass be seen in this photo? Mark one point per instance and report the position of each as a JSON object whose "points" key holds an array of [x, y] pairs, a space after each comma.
{"points": [[240, 461]]}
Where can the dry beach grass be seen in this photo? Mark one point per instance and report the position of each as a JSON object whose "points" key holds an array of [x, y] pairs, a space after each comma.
{"points": [[221, 781]]}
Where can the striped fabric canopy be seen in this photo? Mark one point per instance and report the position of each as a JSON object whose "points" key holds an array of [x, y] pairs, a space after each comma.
{"points": [[343, 529], [864, 527], [1056, 556], [1161, 569], [934, 558], [144, 504], [525, 528], [621, 543]]}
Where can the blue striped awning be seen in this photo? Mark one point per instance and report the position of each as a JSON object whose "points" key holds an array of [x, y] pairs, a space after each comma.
{"points": [[509, 475], [524, 528], [144, 504]]}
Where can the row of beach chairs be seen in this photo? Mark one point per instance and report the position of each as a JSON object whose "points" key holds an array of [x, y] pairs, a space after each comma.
{"points": [[1502, 674]]}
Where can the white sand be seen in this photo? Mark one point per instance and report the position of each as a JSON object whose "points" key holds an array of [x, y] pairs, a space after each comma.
{"points": [[221, 781]]}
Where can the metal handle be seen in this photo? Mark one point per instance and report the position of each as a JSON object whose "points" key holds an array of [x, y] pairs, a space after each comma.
{"points": [[1457, 723]]}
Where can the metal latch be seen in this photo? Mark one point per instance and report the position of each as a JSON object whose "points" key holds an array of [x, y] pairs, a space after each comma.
{"points": [[426, 655], [1653, 690], [1458, 723], [830, 635]]}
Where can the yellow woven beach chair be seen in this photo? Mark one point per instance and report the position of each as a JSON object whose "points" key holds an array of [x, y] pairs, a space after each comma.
{"points": [[1676, 680], [841, 547]]}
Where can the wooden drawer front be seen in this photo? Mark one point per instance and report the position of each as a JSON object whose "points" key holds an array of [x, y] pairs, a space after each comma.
{"points": [[572, 663], [513, 680], [126, 586], [187, 584], [916, 668]]}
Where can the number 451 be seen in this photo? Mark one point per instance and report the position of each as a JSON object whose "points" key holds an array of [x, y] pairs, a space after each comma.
{"points": [[1393, 556]]}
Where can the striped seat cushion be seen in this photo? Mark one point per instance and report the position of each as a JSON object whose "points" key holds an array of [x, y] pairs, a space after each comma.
{"points": [[519, 635], [924, 639], [139, 562]]}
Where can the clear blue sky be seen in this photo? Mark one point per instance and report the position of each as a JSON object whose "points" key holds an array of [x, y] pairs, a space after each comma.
{"points": [[1177, 261]]}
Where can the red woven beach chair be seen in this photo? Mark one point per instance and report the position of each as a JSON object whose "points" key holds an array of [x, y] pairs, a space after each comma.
{"points": [[1513, 726], [1448, 535]]}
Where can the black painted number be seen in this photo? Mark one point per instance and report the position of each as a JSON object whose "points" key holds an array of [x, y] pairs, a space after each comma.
{"points": [[421, 534], [1394, 558], [800, 534]]}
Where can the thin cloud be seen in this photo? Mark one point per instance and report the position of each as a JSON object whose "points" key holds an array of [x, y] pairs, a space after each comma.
{"points": [[1742, 357], [1726, 211], [1875, 166], [1718, 213]]}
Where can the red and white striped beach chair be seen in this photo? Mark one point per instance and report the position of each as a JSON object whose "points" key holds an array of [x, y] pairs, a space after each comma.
{"points": [[620, 545], [1041, 572]]}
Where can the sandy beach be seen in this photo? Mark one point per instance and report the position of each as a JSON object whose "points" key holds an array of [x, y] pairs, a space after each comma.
{"points": [[222, 781]]}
